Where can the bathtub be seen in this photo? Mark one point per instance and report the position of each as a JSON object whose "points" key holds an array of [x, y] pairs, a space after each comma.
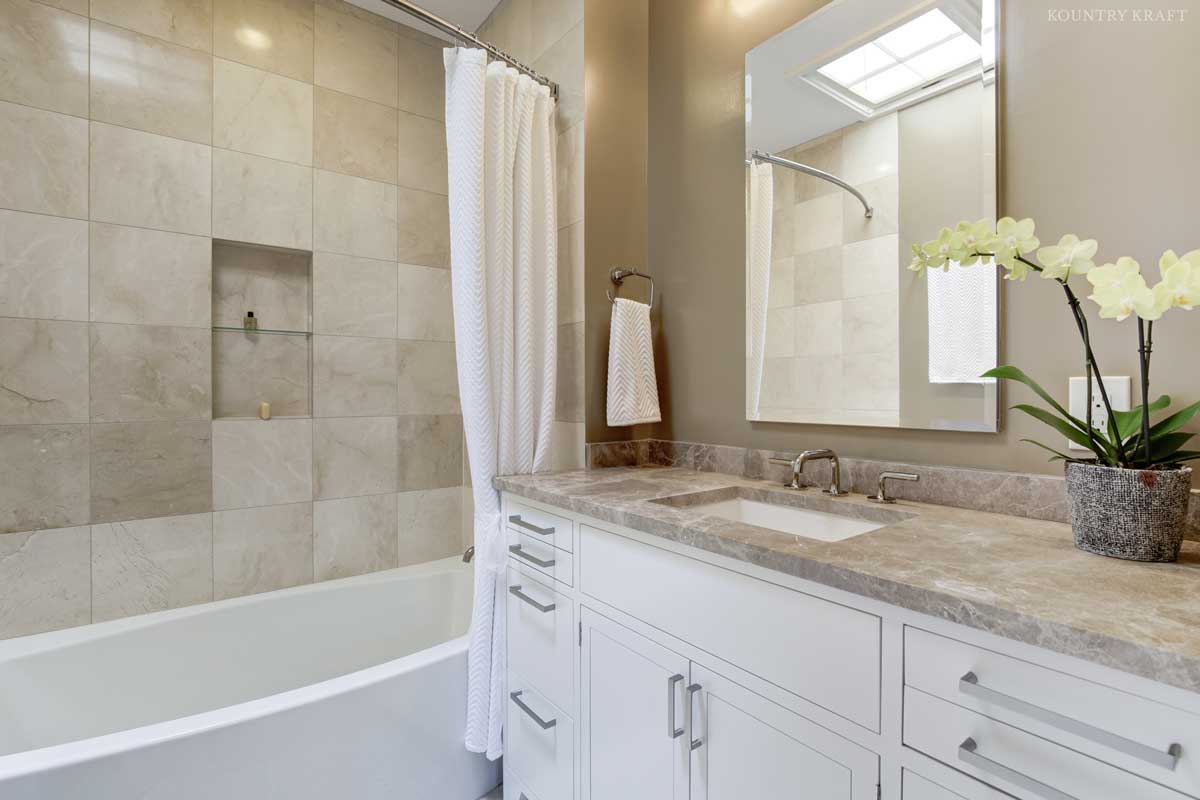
{"points": [[347, 689]]}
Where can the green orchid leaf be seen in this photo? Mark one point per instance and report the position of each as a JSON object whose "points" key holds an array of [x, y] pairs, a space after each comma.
{"points": [[1130, 422], [1010, 373], [1167, 445], [1183, 455], [1057, 455], [1066, 429], [1175, 421]]}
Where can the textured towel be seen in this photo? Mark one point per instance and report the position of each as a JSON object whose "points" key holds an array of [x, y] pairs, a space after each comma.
{"points": [[632, 387], [962, 323]]}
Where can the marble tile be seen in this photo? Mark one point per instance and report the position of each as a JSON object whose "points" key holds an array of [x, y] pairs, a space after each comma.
{"points": [[356, 56], [872, 266], [563, 60], [150, 469], [429, 525], [356, 136], [569, 176], [43, 266], [145, 277], [782, 287], [883, 195], [510, 27], [148, 372], [818, 382], [569, 449], [550, 21], [145, 83], [45, 57], [422, 153], [783, 231], [347, 7], [425, 304], [424, 236], [569, 398], [275, 35], [261, 200], [262, 549], [824, 154], [422, 79], [428, 378], [818, 223], [871, 149], [257, 463], [74, 6], [148, 565], [871, 382], [43, 162], [185, 22], [354, 456], [570, 274], [43, 477], [781, 333], [871, 325], [150, 181], [780, 383], [354, 377], [818, 329], [431, 451], [818, 276], [354, 296], [355, 216], [271, 283], [43, 371], [45, 581], [249, 369], [262, 113], [354, 535]]}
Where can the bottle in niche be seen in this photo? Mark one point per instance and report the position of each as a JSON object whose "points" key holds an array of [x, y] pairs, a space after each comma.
{"points": [[250, 323]]}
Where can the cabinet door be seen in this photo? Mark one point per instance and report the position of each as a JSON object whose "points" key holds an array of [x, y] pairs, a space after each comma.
{"points": [[632, 743], [747, 746]]}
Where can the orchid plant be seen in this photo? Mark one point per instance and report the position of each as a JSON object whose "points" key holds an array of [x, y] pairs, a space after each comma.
{"points": [[1131, 439]]}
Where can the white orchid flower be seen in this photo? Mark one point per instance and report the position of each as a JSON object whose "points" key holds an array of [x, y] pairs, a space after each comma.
{"points": [[1120, 290], [973, 236], [1070, 256], [1180, 285], [944, 249], [1012, 239], [919, 260]]}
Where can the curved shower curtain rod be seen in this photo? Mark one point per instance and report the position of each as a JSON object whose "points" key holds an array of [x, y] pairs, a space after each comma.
{"points": [[759, 155]]}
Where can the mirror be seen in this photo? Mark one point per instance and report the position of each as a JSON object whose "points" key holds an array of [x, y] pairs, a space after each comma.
{"points": [[870, 125]]}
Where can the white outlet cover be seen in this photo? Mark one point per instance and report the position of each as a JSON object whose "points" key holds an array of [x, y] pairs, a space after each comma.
{"points": [[1119, 390]]}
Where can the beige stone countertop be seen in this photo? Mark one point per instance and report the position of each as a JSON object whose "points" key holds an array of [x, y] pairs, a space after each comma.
{"points": [[1018, 578]]}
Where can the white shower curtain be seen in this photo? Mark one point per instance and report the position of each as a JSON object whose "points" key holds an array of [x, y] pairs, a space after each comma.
{"points": [[500, 139], [760, 201]]}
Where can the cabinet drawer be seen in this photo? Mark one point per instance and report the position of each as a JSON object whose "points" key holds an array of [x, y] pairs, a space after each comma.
{"points": [[1019, 763], [541, 557], [539, 741], [1111, 725], [541, 525], [515, 788], [818, 650], [541, 635], [915, 787]]}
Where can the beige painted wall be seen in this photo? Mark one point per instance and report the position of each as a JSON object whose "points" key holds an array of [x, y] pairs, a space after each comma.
{"points": [[1091, 144]]}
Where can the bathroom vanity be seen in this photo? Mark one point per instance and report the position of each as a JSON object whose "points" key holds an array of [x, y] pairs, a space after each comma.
{"points": [[661, 646]]}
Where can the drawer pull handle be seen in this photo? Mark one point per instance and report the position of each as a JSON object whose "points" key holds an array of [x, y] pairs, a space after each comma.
{"points": [[516, 592], [516, 550], [690, 720], [672, 731], [969, 685], [967, 755], [544, 724], [515, 519]]}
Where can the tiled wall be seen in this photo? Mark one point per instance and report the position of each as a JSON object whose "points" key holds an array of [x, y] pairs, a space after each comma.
{"points": [[127, 142]]}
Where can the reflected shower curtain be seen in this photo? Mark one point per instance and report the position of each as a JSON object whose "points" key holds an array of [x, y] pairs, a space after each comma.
{"points": [[760, 201], [503, 252]]}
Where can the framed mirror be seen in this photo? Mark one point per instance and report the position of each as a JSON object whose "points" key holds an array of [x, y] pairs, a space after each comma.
{"points": [[870, 125]]}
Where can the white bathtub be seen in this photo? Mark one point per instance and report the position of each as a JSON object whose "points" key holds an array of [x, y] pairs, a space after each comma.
{"points": [[348, 689]]}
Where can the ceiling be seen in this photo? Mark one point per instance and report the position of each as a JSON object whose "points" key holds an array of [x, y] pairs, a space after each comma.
{"points": [[468, 14]]}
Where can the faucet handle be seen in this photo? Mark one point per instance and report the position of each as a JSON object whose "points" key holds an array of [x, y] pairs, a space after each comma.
{"points": [[881, 495]]}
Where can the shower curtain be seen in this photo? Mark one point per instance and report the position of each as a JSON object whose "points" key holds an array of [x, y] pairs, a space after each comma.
{"points": [[760, 201], [500, 139]]}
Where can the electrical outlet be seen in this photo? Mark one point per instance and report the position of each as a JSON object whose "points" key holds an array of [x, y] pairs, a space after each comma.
{"points": [[1119, 389]]}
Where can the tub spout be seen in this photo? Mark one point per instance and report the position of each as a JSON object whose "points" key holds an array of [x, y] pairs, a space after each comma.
{"points": [[468, 554]]}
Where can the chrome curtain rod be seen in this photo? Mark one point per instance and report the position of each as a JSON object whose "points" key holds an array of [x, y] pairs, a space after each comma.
{"points": [[759, 155], [447, 27]]}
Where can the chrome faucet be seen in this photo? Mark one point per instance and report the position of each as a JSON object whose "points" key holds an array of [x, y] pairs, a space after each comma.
{"points": [[797, 464], [881, 495]]}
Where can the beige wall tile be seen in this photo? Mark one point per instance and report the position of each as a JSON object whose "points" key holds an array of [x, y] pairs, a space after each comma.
{"points": [[249, 369], [354, 456], [425, 304], [262, 113], [147, 565], [146, 277], [818, 276], [185, 22], [818, 223], [275, 35], [428, 378], [355, 216], [262, 549], [356, 136], [781, 333], [150, 181], [872, 266], [424, 237], [816, 329], [871, 150], [510, 27], [353, 377], [430, 447], [551, 20], [429, 524], [43, 266], [883, 195], [354, 296], [422, 82], [782, 291], [43, 162], [145, 372], [356, 56], [563, 63], [824, 154], [570, 273], [568, 399], [354, 535], [568, 442], [261, 200], [43, 371], [74, 6], [258, 463], [45, 57], [570, 175], [45, 581], [145, 83], [871, 325], [271, 283], [43, 477], [422, 153], [150, 469], [871, 382]]}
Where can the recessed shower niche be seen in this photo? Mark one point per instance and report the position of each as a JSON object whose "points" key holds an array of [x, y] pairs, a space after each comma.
{"points": [[262, 330]]}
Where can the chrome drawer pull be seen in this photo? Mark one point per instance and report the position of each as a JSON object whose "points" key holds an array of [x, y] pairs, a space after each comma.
{"points": [[515, 519], [692, 691], [967, 755], [969, 685], [516, 550], [542, 723], [672, 731], [516, 592]]}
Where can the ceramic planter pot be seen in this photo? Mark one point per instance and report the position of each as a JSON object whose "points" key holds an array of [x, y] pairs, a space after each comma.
{"points": [[1134, 514]]}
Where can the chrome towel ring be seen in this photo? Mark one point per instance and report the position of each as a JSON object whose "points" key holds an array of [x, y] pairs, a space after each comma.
{"points": [[619, 275]]}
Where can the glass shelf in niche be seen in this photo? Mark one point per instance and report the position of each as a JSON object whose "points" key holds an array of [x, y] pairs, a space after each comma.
{"points": [[265, 331]]}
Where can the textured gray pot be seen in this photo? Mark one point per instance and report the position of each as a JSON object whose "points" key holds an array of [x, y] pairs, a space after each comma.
{"points": [[1135, 514]]}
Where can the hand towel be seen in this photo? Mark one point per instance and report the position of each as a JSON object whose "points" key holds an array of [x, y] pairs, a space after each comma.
{"points": [[632, 386], [962, 323]]}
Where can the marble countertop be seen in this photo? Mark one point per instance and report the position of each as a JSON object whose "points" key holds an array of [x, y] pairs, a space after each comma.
{"points": [[1018, 578]]}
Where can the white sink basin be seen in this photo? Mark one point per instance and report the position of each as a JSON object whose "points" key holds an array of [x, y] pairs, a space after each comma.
{"points": [[789, 519]]}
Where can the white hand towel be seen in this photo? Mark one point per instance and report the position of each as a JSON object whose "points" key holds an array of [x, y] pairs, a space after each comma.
{"points": [[632, 386], [962, 323]]}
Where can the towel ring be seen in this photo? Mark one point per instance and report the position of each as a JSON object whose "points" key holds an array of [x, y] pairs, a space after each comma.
{"points": [[619, 275]]}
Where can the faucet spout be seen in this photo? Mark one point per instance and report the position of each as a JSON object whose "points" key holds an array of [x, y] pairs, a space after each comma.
{"points": [[820, 454]]}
